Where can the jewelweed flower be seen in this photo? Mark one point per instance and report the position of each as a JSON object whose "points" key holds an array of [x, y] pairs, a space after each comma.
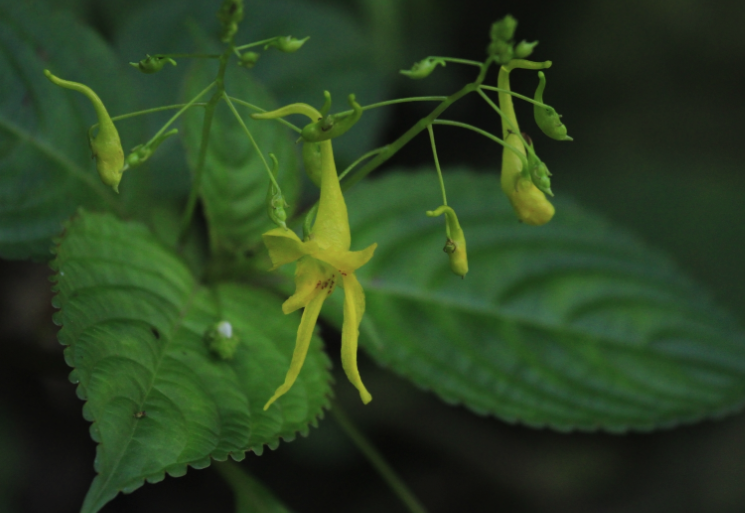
{"points": [[323, 262], [106, 146], [529, 202]]}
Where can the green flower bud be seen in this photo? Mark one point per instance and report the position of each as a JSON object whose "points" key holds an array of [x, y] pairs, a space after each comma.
{"points": [[287, 44], [230, 14], [501, 46], [524, 49], [151, 64], [537, 171], [221, 340], [455, 246], [546, 117], [275, 200], [423, 68], [329, 127], [504, 29], [142, 152], [312, 161], [248, 59], [106, 145]]}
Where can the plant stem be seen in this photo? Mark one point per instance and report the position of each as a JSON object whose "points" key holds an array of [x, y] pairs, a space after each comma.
{"points": [[459, 61], [253, 141], [181, 111], [509, 122], [189, 55], [478, 131], [257, 43], [393, 102], [377, 461], [437, 163], [150, 111], [363, 157], [209, 112], [259, 109], [516, 95], [399, 143]]}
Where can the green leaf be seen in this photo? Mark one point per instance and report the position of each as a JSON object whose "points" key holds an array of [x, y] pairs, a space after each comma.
{"points": [[338, 57], [235, 181], [133, 318], [47, 171], [250, 494], [573, 325]]}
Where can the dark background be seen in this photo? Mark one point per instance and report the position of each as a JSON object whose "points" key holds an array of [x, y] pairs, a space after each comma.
{"points": [[652, 92]]}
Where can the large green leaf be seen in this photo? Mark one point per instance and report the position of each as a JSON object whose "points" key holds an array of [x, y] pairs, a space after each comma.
{"points": [[133, 319], [339, 57], [47, 171], [235, 181], [573, 325]]}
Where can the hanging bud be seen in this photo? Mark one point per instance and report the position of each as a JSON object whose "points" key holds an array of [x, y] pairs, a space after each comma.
{"points": [[142, 152], [287, 44], [546, 117], [230, 15], [423, 68], [221, 340], [455, 246], [248, 59], [329, 127], [106, 146], [275, 200], [504, 29], [152, 64], [312, 161], [524, 49]]}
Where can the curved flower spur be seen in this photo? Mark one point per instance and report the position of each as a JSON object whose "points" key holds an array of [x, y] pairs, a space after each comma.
{"points": [[323, 262]]}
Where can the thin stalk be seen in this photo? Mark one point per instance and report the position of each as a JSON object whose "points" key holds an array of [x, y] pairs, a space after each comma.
{"points": [[253, 141], [437, 163], [209, 112], [393, 102], [509, 122], [181, 111], [459, 61], [407, 136], [259, 109], [150, 111], [257, 43], [516, 95], [377, 461], [189, 55], [363, 157], [478, 131]]}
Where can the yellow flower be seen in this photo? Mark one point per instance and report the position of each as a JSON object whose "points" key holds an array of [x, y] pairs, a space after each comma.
{"points": [[323, 262], [529, 202]]}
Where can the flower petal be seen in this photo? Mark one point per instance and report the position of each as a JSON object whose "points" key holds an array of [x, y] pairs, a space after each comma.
{"points": [[346, 262], [304, 334], [310, 277], [285, 246], [354, 308]]}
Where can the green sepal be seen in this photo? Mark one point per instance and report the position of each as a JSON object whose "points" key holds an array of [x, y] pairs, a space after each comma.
{"points": [[423, 68], [142, 152], [546, 117], [312, 161], [524, 49], [287, 44], [329, 127], [248, 59], [536, 170], [152, 64]]}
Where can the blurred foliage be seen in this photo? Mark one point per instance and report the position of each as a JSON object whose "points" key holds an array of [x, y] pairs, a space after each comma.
{"points": [[651, 91]]}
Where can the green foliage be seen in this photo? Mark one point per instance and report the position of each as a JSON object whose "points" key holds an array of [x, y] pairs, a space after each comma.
{"points": [[235, 180], [250, 495], [133, 318], [46, 164], [575, 325]]}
